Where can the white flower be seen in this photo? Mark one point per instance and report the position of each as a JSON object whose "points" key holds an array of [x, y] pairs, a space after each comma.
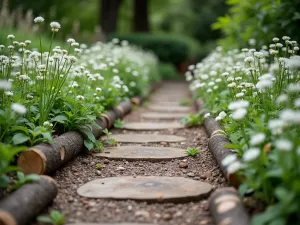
{"points": [[239, 95], [252, 41], [291, 116], [293, 88], [11, 36], [262, 85], [248, 59], [38, 19], [293, 62], [239, 114], [222, 115], [47, 124], [258, 139], [275, 39], [115, 70], [286, 38], [251, 154], [234, 167], [297, 103], [8, 93], [55, 26], [5, 85], [70, 40], [207, 115], [229, 159], [238, 104], [18, 108], [284, 145], [79, 97], [282, 98], [98, 89]]}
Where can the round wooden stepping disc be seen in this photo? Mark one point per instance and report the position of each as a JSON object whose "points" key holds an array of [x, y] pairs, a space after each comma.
{"points": [[148, 188], [170, 116], [159, 108], [133, 153], [152, 126], [84, 223], [145, 138]]}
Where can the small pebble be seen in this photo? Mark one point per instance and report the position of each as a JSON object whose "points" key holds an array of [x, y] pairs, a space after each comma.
{"points": [[190, 174]]}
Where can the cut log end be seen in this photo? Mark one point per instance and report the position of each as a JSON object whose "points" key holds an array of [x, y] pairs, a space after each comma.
{"points": [[135, 101], [32, 161], [106, 117], [6, 218]]}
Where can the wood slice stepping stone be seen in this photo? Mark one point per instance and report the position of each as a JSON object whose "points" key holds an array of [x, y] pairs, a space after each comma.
{"points": [[159, 108], [146, 188], [152, 126], [145, 138], [165, 116], [133, 153], [84, 223]]}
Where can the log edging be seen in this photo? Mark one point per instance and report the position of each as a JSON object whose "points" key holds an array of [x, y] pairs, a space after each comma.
{"points": [[49, 157], [24, 204], [225, 204], [227, 207], [217, 140]]}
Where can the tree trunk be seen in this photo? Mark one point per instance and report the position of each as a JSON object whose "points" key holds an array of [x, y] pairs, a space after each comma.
{"points": [[141, 20], [109, 15]]}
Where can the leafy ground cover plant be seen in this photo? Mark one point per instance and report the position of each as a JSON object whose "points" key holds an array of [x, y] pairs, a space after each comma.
{"points": [[49, 90], [55, 218], [255, 94], [192, 152]]}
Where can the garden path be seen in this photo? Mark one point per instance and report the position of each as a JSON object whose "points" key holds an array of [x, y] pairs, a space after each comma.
{"points": [[120, 200]]}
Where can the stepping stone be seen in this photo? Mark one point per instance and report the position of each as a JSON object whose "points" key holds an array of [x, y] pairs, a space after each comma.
{"points": [[145, 138], [164, 103], [84, 223], [152, 126], [134, 153], [147, 188], [159, 108], [166, 116]]}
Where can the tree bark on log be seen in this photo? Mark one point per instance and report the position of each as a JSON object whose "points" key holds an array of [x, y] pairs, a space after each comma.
{"points": [[216, 145], [109, 10], [45, 158], [227, 208], [97, 131], [27, 202], [212, 127], [141, 20]]}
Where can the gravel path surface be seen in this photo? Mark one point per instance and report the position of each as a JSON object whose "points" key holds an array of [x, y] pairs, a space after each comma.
{"points": [[84, 168]]}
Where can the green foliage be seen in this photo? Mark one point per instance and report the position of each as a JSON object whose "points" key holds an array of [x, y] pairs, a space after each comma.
{"points": [[185, 102], [99, 166], [23, 179], [257, 102], [7, 156], [168, 71], [260, 20], [119, 123], [192, 120], [55, 218], [167, 48], [192, 152]]}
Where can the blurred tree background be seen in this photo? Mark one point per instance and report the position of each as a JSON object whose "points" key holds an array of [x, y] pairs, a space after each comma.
{"points": [[180, 32]]}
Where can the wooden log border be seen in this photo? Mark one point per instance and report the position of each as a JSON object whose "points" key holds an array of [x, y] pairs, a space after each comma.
{"points": [[23, 205], [217, 140], [227, 208], [46, 158]]}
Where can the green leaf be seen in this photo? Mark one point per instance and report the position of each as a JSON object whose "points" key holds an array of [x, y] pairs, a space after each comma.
{"points": [[47, 136], [88, 144], [20, 128], [32, 177], [20, 176], [20, 138], [60, 119]]}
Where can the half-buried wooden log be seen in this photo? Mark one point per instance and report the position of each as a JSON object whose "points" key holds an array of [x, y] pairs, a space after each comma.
{"points": [[110, 116], [124, 107], [227, 208], [101, 124], [45, 158], [216, 145], [212, 127], [27, 202]]}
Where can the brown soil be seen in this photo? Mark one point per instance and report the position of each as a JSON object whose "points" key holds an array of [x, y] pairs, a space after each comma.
{"points": [[84, 168]]}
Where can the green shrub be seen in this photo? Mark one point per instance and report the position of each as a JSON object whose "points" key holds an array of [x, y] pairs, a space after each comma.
{"points": [[259, 20], [167, 71], [168, 48]]}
